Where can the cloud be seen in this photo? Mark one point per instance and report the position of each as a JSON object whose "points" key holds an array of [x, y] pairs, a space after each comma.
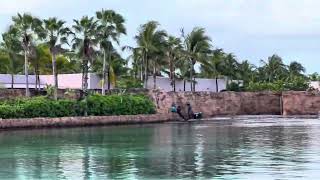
{"points": [[14, 6], [267, 17]]}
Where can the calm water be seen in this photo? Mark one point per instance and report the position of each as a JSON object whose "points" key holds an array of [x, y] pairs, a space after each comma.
{"points": [[253, 148]]}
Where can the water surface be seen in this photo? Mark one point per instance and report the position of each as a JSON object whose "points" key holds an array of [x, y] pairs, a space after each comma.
{"points": [[247, 148]]}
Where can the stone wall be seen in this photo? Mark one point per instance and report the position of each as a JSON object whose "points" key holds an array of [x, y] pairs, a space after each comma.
{"points": [[301, 103], [221, 104], [16, 93], [216, 104], [84, 121]]}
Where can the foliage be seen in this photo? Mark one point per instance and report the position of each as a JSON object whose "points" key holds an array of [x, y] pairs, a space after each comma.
{"points": [[129, 83], [97, 106], [119, 105], [297, 84], [233, 86], [49, 91], [94, 48]]}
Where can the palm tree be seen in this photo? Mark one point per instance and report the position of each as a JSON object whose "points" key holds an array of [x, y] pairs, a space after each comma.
{"points": [[84, 42], [26, 27], [110, 28], [12, 47], [214, 67], [245, 72], [197, 46], [56, 35], [149, 40], [174, 50], [296, 69], [274, 69]]}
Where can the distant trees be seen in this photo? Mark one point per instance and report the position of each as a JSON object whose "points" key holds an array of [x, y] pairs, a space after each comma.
{"points": [[55, 35], [91, 44], [26, 28], [111, 27], [197, 47]]}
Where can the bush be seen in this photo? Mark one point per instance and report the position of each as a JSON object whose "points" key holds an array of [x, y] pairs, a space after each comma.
{"points": [[129, 83], [234, 87], [119, 105], [97, 106], [296, 84]]}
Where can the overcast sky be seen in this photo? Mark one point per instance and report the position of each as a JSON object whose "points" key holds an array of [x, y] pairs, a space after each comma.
{"points": [[251, 29]]}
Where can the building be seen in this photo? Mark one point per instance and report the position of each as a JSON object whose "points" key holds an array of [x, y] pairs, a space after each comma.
{"points": [[315, 85], [65, 81], [208, 85]]}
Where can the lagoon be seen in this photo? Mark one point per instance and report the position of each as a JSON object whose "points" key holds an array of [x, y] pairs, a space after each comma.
{"points": [[240, 148]]}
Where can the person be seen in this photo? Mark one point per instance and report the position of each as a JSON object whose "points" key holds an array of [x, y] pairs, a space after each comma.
{"points": [[173, 108], [179, 112], [190, 111], [191, 114]]}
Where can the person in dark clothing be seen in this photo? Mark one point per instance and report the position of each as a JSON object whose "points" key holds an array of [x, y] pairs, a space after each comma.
{"points": [[190, 111], [179, 113]]}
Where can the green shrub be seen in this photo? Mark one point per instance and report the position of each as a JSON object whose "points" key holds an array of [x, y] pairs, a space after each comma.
{"points": [[119, 105], [233, 86], [97, 106], [295, 84]]}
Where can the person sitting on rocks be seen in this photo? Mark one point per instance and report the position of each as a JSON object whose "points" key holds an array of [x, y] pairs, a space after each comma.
{"points": [[179, 113], [190, 111]]}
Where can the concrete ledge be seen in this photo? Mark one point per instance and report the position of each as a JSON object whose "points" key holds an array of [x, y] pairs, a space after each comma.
{"points": [[84, 121]]}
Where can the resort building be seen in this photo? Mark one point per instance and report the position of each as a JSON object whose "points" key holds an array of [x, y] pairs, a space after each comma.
{"points": [[65, 81], [208, 85]]}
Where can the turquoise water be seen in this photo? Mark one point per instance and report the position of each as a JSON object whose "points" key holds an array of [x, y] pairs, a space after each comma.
{"points": [[255, 148]]}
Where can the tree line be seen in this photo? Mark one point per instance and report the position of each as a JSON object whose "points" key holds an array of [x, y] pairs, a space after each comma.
{"points": [[92, 44]]}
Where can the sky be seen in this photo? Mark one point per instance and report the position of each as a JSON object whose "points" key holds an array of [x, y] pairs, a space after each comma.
{"points": [[250, 29]]}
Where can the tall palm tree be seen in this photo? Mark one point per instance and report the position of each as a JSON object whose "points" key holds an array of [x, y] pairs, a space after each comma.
{"points": [[174, 51], [274, 69], [246, 72], [214, 67], [197, 46], [149, 40], [111, 26], [84, 42], [296, 69], [56, 35], [26, 27], [12, 47]]}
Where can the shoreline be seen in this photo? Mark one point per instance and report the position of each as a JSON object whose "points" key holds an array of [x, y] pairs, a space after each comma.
{"points": [[68, 122], [71, 122]]}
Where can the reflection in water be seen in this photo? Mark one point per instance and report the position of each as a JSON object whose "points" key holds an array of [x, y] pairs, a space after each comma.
{"points": [[241, 149]]}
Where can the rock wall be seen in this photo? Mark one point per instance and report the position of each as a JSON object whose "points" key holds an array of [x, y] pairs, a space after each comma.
{"points": [[221, 104], [15, 93], [216, 104], [84, 121], [301, 103]]}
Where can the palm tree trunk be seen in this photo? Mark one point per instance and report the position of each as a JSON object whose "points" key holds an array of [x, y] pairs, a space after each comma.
{"points": [[104, 74], [141, 70], [171, 72], [191, 75], [108, 75], [217, 85], [194, 84], [154, 76], [108, 69], [36, 75], [26, 73], [146, 72], [174, 79], [55, 77], [85, 86], [12, 80]]}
